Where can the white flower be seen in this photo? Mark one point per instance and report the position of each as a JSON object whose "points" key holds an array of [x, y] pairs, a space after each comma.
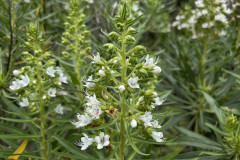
{"points": [[27, 1], [133, 123], [158, 136], [155, 124], [52, 92], [16, 72], [92, 101], [62, 79], [132, 82], [149, 61], [15, 85], [18, 84], [25, 80], [83, 120], [146, 118], [51, 71], [199, 3], [59, 109], [121, 88], [44, 97], [204, 12], [90, 1], [175, 23], [102, 140], [228, 11], [115, 61], [155, 94], [221, 17], [194, 36], [223, 33], [156, 70], [96, 58], [192, 19], [135, 7], [24, 102], [94, 111], [158, 102], [34, 81], [205, 25], [101, 73], [85, 142], [89, 83]]}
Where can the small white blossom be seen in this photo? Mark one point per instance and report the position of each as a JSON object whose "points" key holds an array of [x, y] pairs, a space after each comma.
{"points": [[24, 102], [102, 140], [62, 78], [51, 71], [27, 1], [89, 83], [156, 70], [133, 123], [155, 124], [44, 97], [228, 11], [16, 72], [205, 25], [96, 58], [146, 118], [25, 80], [101, 73], [59, 109], [18, 84], [223, 33], [115, 61], [132, 82], [149, 61], [221, 17], [92, 101], [204, 12], [199, 3], [94, 111], [15, 85], [52, 92], [135, 8], [85, 142], [155, 94], [158, 136], [34, 81], [121, 88], [158, 102], [83, 120]]}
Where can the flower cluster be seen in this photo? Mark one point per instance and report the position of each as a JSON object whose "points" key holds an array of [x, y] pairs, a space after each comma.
{"points": [[208, 17], [120, 82], [101, 140], [39, 79]]}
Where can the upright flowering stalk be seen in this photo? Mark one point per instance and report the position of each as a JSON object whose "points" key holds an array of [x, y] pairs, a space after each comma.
{"points": [[38, 83], [75, 39], [122, 90]]}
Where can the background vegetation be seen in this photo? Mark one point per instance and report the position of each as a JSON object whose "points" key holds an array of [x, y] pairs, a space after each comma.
{"points": [[200, 77]]}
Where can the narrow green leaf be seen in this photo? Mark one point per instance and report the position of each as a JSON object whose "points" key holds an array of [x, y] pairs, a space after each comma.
{"points": [[19, 136], [73, 149], [132, 143]]}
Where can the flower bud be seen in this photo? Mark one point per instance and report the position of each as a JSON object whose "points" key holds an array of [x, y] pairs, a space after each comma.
{"points": [[156, 70], [101, 73], [16, 72], [115, 61], [154, 94], [121, 88], [133, 123]]}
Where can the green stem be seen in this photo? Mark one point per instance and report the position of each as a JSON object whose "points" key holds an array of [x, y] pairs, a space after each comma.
{"points": [[123, 104], [42, 116], [202, 62]]}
